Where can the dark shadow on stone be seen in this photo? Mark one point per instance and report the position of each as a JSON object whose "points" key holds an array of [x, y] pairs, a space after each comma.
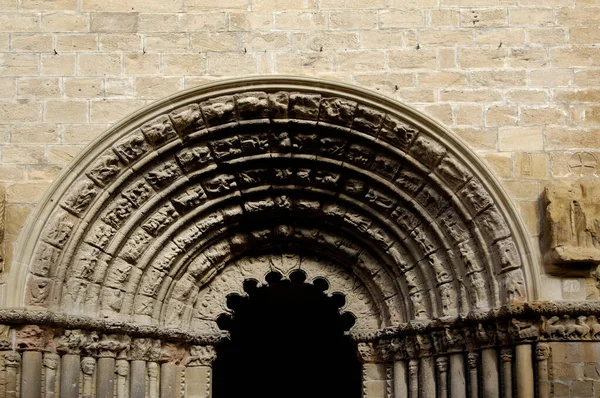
{"points": [[287, 340]]}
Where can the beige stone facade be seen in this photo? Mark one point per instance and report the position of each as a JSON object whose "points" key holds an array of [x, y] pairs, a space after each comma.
{"points": [[508, 97]]}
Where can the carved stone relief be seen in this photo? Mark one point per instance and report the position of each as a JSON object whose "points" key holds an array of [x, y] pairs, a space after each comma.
{"points": [[572, 239], [167, 220]]}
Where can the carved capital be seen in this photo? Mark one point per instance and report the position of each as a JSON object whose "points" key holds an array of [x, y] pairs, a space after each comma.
{"points": [[30, 337], [201, 355], [113, 346], [366, 352], [74, 341]]}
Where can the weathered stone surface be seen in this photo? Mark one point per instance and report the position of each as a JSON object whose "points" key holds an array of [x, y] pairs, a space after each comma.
{"points": [[571, 237]]}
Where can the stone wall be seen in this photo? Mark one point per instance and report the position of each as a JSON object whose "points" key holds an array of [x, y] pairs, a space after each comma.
{"points": [[518, 80], [573, 369]]}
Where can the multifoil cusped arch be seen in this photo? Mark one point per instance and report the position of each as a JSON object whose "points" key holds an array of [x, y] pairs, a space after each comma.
{"points": [[171, 199]]}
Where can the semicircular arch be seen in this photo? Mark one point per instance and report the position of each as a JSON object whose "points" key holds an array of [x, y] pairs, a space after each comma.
{"points": [[175, 193]]}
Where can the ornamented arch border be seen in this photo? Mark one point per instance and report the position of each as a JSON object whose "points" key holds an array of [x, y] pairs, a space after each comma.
{"points": [[389, 189]]}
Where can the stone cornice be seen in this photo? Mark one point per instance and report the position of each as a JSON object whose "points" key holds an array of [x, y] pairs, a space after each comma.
{"points": [[501, 327]]}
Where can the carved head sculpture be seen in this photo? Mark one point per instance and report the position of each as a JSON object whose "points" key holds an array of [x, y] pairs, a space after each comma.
{"points": [[88, 365], [122, 368], [542, 352], [12, 359], [473, 360], [413, 367], [153, 370], [51, 360]]}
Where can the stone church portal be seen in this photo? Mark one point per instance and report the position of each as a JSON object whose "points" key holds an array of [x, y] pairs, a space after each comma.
{"points": [[242, 236]]}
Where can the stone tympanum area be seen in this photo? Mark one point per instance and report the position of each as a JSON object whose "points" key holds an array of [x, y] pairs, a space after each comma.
{"points": [[302, 229]]}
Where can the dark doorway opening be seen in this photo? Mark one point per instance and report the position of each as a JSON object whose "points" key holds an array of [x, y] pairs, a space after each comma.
{"points": [[287, 341]]}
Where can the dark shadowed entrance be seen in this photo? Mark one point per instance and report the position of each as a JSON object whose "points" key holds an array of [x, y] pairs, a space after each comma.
{"points": [[287, 340]]}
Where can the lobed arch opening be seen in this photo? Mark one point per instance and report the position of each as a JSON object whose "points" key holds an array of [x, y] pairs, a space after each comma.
{"points": [[293, 333], [171, 196]]}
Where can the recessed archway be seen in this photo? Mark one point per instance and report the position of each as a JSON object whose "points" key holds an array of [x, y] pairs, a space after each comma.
{"points": [[167, 198], [287, 338], [148, 232]]}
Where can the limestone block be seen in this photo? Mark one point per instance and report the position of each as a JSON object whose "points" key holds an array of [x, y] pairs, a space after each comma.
{"points": [[573, 225]]}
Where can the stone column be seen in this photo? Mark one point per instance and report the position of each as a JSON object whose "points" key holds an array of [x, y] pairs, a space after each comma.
{"points": [[427, 384], [153, 379], [51, 364], [12, 361], [122, 371], [169, 383], [198, 371], [473, 361], [506, 357], [69, 376], [400, 379], [490, 373], [458, 380], [524, 371], [137, 385], [542, 353], [442, 368], [31, 378], [413, 378], [374, 375], [105, 385], [88, 370]]}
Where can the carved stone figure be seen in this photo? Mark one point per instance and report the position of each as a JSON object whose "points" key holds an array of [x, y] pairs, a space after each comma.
{"points": [[572, 235]]}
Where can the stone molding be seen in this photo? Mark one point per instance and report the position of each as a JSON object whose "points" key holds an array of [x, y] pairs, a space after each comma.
{"points": [[152, 208], [504, 327]]}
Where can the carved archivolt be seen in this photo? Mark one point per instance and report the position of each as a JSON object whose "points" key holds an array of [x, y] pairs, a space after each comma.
{"points": [[176, 200]]}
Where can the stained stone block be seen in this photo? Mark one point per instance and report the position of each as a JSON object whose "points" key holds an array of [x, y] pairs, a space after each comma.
{"points": [[571, 239]]}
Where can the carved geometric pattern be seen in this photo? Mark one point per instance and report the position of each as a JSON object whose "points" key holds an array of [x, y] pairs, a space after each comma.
{"points": [[170, 204]]}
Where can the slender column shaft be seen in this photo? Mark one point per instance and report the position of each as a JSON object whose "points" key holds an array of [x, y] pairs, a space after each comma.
{"points": [[69, 376], [88, 368], [524, 371], [473, 359], [413, 374], [490, 373], [400, 380], [442, 367], [458, 380], [427, 378], [506, 357], [122, 371], [51, 365], [105, 385], [542, 353], [12, 361], [137, 379], [31, 379], [153, 379]]}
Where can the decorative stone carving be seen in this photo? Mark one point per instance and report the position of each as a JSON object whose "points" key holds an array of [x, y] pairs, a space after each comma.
{"points": [[201, 355], [357, 182], [572, 236]]}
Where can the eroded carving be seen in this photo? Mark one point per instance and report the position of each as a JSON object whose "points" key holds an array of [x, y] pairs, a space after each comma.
{"points": [[573, 220]]}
